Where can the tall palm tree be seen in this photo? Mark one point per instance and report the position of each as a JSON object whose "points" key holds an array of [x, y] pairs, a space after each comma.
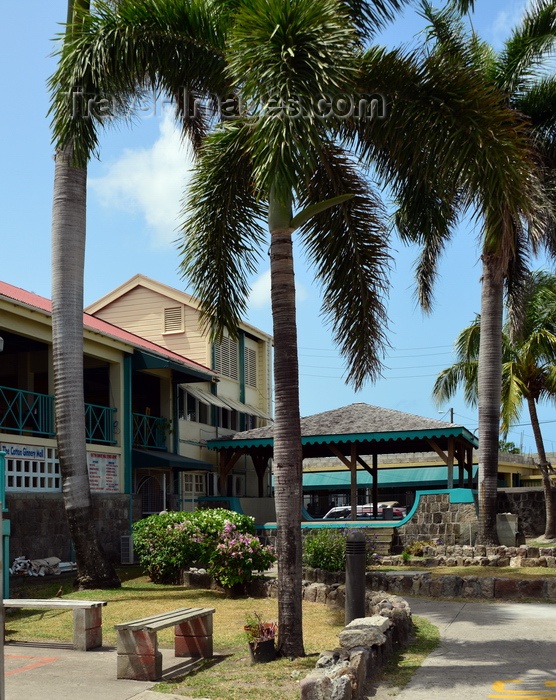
{"points": [[277, 153], [78, 110], [68, 249], [513, 227], [528, 371]]}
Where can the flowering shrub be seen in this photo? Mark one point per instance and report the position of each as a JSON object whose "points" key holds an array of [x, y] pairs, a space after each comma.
{"points": [[167, 543], [237, 556]]}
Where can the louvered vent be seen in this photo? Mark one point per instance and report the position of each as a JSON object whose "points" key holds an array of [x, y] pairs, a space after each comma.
{"points": [[226, 358], [250, 367], [173, 319]]}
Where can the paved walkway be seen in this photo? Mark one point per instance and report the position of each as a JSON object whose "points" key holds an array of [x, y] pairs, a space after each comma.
{"points": [[57, 672], [494, 651]]}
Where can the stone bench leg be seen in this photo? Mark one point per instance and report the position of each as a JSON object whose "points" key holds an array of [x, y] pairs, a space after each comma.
{"points": [[87, 628], [138, 657], [194, 637]]}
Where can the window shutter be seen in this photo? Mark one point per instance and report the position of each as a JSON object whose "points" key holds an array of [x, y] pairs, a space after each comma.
{"points": [[173, 319], [250, 367]]}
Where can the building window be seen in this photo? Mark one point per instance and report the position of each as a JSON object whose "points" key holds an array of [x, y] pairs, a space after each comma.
{"points": [[34, 474], [190, 408], [250, 367], [250, 422], [228, 419], [226, 358], [173, 319]]}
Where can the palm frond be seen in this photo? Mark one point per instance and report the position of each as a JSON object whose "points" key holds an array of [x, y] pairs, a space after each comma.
{"points": [[484, 149], [427, 213], [525, 51], [370, 16], [449, 380], [172, 48], [513, 393], [222, 233], [348, 247], [284, 59]]}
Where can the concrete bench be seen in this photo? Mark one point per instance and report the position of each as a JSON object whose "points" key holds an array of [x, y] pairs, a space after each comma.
{"points": [[87, 617], [138, 657]]}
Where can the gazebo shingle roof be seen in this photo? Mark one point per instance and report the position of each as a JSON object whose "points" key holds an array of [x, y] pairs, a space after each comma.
{"points": [[352, 419]]}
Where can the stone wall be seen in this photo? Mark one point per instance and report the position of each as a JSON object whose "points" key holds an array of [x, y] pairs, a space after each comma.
{"points": [[438, 519], [365, 646], [528, 505], [39, 528]]}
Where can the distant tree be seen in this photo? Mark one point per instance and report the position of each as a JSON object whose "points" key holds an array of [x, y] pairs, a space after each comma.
{"points": [[528, 372], [513, 226], [509, 447]]}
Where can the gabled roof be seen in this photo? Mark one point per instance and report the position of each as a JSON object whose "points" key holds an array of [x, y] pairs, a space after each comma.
{"points": [[33, 301], [172, 293], [381, 430]]}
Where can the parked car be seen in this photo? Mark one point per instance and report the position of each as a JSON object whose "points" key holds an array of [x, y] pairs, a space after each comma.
{"points": [[365, 512]]}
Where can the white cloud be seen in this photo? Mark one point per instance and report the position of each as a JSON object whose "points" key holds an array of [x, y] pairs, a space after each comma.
{"points": [[507, 19], [259, 297], [151, 181]]}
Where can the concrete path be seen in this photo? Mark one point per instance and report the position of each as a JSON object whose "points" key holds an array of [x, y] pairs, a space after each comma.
{"points": [[57, 672], [494, 651]]}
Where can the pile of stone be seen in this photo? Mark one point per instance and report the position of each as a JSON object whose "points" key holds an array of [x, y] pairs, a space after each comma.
{"points": [[365, 645], [479, 555]]}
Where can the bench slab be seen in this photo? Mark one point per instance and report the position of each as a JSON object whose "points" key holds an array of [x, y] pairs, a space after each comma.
{"points": [[87, 617], [137, 648]]}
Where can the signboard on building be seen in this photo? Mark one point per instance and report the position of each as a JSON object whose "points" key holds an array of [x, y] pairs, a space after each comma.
{"points": [[104, 472]]}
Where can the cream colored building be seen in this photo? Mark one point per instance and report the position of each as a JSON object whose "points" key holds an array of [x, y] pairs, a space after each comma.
{"points": [[240, 398]]}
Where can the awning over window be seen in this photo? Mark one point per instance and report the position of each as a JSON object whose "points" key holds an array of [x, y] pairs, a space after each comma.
{"points": [[206, 397], [151, 459], [245, 408], [410, 477], [184, 372]]}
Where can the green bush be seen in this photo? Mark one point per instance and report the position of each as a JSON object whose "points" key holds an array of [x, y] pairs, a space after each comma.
{"points": [[325, 549], [164, 544], [167, 543]]}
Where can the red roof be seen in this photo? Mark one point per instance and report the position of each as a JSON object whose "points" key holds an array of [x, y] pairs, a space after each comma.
{"points": [[23, 297]]}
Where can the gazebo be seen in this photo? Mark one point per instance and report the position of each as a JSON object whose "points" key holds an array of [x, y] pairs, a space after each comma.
{"points": [[356, 435]]}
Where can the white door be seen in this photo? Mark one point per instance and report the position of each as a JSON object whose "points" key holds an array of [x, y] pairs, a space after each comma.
{"points": [[193, 485]]}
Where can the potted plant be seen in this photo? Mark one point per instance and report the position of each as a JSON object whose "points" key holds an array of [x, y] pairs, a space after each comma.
{"points": [[261, 636]]}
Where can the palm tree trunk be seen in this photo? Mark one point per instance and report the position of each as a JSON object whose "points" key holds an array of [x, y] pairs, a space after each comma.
{"points": [[550, 527], [287, 464], [490, 395], [68, 255], [68, 263]]}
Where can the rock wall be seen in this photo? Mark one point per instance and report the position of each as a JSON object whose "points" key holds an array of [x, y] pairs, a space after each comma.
{"points": [[39, 528], [528, 505], [366, 644], [438, 519]]}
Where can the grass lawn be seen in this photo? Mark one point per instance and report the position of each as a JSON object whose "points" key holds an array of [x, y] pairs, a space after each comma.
{"points": [[232, 677], [415, 564]]}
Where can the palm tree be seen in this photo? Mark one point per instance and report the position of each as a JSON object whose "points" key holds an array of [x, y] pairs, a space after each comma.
{"points": [[528, 371], [68, 249], [277, 152], [78, 110], [512, 227]]}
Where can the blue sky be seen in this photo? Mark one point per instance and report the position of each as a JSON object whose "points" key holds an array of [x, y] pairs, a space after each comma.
{"points": [[135, 192]]}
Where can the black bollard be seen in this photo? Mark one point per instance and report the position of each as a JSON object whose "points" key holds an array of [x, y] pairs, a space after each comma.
{"points": [[355, 576]]}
